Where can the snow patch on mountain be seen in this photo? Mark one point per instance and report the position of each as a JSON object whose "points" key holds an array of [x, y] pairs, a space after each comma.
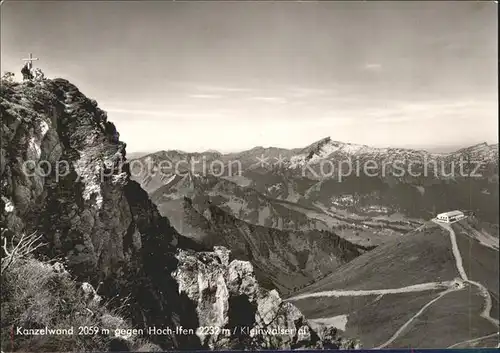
{"points": [[327, 149], [170, 179]]}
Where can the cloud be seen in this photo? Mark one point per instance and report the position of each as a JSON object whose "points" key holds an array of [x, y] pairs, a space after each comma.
{"points": [[394, 119], [373, 67], [329, 121], [419, 111], [302, 92], [135, 111], [211, 88], [269, 99], [180, 114], [206, 96]]}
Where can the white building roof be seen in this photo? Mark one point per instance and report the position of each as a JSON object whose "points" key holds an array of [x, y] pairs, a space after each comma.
{"points": [[451, 213]]}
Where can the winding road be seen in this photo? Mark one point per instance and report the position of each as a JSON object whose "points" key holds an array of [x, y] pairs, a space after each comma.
{"points": [[420, 312], [474, 340], [486, 313], [449, 286], [354, 293]]}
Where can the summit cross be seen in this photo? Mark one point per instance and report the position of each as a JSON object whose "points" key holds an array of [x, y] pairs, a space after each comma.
{"points": [[30, 61]]}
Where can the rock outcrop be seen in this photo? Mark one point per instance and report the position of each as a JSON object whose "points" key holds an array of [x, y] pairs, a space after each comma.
{"points": [[64, 175], [232, 309]]}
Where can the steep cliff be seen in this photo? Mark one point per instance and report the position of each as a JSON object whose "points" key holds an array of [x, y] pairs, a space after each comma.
{"points": [[64, 175]]}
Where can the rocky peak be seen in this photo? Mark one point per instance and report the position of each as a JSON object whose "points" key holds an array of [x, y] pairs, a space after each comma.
{"points": [[319, 143]]}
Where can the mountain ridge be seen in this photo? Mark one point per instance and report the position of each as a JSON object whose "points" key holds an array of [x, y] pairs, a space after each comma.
{"points": [[326, 140], [453, 148]]}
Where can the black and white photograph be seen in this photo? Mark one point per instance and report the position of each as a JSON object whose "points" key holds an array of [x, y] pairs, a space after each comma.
{"points": [[249, 175]]}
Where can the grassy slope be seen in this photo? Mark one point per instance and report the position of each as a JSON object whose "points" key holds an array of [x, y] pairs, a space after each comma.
{"points": [[35, 295], [421, 256], [480, 262], [377, 322], [322, 307], [483, 343], [452, 319]]}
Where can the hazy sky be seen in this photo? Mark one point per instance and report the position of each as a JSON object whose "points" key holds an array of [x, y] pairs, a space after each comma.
{"points": [[234, 75]]}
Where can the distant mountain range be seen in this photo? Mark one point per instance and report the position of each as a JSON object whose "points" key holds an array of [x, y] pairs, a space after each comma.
{"points": [[354, 251], [437, 149], [415, 183]]}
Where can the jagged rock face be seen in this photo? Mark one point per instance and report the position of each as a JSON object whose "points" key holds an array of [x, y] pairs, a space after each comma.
{"points": [[233, 308], [63, 175], [63, 172]]}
